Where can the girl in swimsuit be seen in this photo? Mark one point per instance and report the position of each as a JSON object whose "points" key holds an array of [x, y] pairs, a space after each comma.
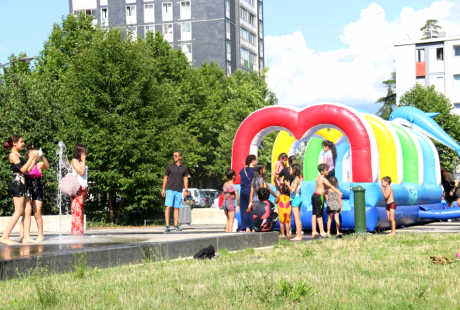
{"points": [[18, 188], [280, 165], [36, 190]]}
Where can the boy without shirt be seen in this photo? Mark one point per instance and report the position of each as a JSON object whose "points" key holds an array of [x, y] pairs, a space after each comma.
{"points": [[317, 201], [391, 205]]}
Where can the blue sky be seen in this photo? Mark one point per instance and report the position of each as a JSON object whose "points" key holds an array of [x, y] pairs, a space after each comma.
{"points": [[321, 23], [303, 38]]}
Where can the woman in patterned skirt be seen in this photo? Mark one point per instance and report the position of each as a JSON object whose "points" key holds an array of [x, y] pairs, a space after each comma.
{"points": [[77, 202]]}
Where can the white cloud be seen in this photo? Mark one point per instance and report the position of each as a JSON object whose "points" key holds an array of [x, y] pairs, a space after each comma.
{"points": [[2, 48], [301, 76]]}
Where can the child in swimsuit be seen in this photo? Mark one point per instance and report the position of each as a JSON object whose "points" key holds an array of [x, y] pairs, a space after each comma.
{"points": [[284, 212], [317, 201], [296, 199], [390, 200], [279, 166], [334, 207]]}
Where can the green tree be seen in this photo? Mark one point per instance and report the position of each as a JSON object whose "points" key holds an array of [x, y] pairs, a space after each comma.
{"points": [[430, 28], [30, 105], [124, 108], [389, 101], [430, 100]]}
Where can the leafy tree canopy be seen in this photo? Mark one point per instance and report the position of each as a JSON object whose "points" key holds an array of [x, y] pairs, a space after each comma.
{"points": [[431, 27], [430, 100], [389, 101]]}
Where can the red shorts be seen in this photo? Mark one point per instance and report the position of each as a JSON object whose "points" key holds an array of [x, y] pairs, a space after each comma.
{"points": [[391, 206]]}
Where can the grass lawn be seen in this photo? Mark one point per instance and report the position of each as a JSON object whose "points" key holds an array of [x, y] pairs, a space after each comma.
{"points": [[379, 272]]}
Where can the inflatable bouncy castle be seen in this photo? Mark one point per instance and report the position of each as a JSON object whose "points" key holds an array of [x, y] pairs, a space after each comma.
{"points": [[368, 148]]}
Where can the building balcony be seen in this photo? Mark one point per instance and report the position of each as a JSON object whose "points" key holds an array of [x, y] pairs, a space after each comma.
{"points": [[248, 46], [131, 20], [186, 36], [248, 7], [248, 26], [420, 68], [247, 65]]}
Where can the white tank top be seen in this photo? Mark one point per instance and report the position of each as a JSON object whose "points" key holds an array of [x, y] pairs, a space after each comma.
{"points": [[296, 193], [83, 179]]}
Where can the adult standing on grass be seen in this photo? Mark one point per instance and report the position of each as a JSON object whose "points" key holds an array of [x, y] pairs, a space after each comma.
{"points": [[246, 176], [175, 180], [77, 202], [451, 187], [18, 188]]}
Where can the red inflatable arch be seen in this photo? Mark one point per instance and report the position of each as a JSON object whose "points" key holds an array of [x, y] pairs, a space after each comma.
{"points": [[361, 137]]}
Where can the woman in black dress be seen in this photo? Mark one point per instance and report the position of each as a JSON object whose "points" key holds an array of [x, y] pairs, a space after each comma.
{"points": [[246, 175], [18, 188]]}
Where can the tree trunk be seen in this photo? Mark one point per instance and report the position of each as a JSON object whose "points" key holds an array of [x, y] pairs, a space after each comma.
{"points": [[111, 205]]}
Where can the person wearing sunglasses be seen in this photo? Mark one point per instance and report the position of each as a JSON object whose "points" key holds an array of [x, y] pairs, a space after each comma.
{"points": [[175, 180]]}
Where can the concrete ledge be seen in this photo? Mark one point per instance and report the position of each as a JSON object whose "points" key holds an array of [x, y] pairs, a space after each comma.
{"points": [[133, 253], [50, 224], [208, 216]]}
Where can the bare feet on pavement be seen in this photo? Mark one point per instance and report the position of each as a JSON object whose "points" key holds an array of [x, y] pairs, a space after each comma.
{"points": [[7, 241]]}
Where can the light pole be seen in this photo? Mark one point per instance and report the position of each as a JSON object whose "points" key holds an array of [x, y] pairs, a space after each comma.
{"points": [[23, 59]]}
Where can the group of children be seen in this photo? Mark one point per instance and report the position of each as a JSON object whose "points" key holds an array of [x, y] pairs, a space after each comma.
{"points": [[288, 199], [288, 182]]}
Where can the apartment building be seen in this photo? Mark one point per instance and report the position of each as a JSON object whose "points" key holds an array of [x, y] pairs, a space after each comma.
{"points": [[229, 32], [430, 62]]}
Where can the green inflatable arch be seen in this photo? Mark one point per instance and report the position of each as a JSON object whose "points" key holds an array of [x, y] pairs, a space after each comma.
{"points": [[310, 166], [410, 156]]}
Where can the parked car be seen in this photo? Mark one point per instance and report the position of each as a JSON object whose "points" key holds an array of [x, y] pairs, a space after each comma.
{"points": [[199, 201], [213, 194]]}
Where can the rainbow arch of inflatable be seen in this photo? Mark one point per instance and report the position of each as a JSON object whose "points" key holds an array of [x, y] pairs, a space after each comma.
{"points": [[368, 148]]}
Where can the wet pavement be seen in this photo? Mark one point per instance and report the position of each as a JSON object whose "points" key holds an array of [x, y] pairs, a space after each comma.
{"points": [[103, 238], [110, 238]]}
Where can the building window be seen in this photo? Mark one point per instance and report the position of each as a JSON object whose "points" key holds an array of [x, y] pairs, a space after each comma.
{"points": [[251, 2], [440, 54], [229, 68], [261, 30], [168, 32], [187, 50], [87, 13], [131, 14], [149, 13], [260, 11], [457, 108], [133, 31], [229, 51], [150, 28], [228, 30], [420, 55], [227, 8], [456, 51], [261, 45], [185, 12], [105, 17], [248, 17], [457, 80], [167, 11], [261, 66], [248, 59], [247, 36], [186, 32]]}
